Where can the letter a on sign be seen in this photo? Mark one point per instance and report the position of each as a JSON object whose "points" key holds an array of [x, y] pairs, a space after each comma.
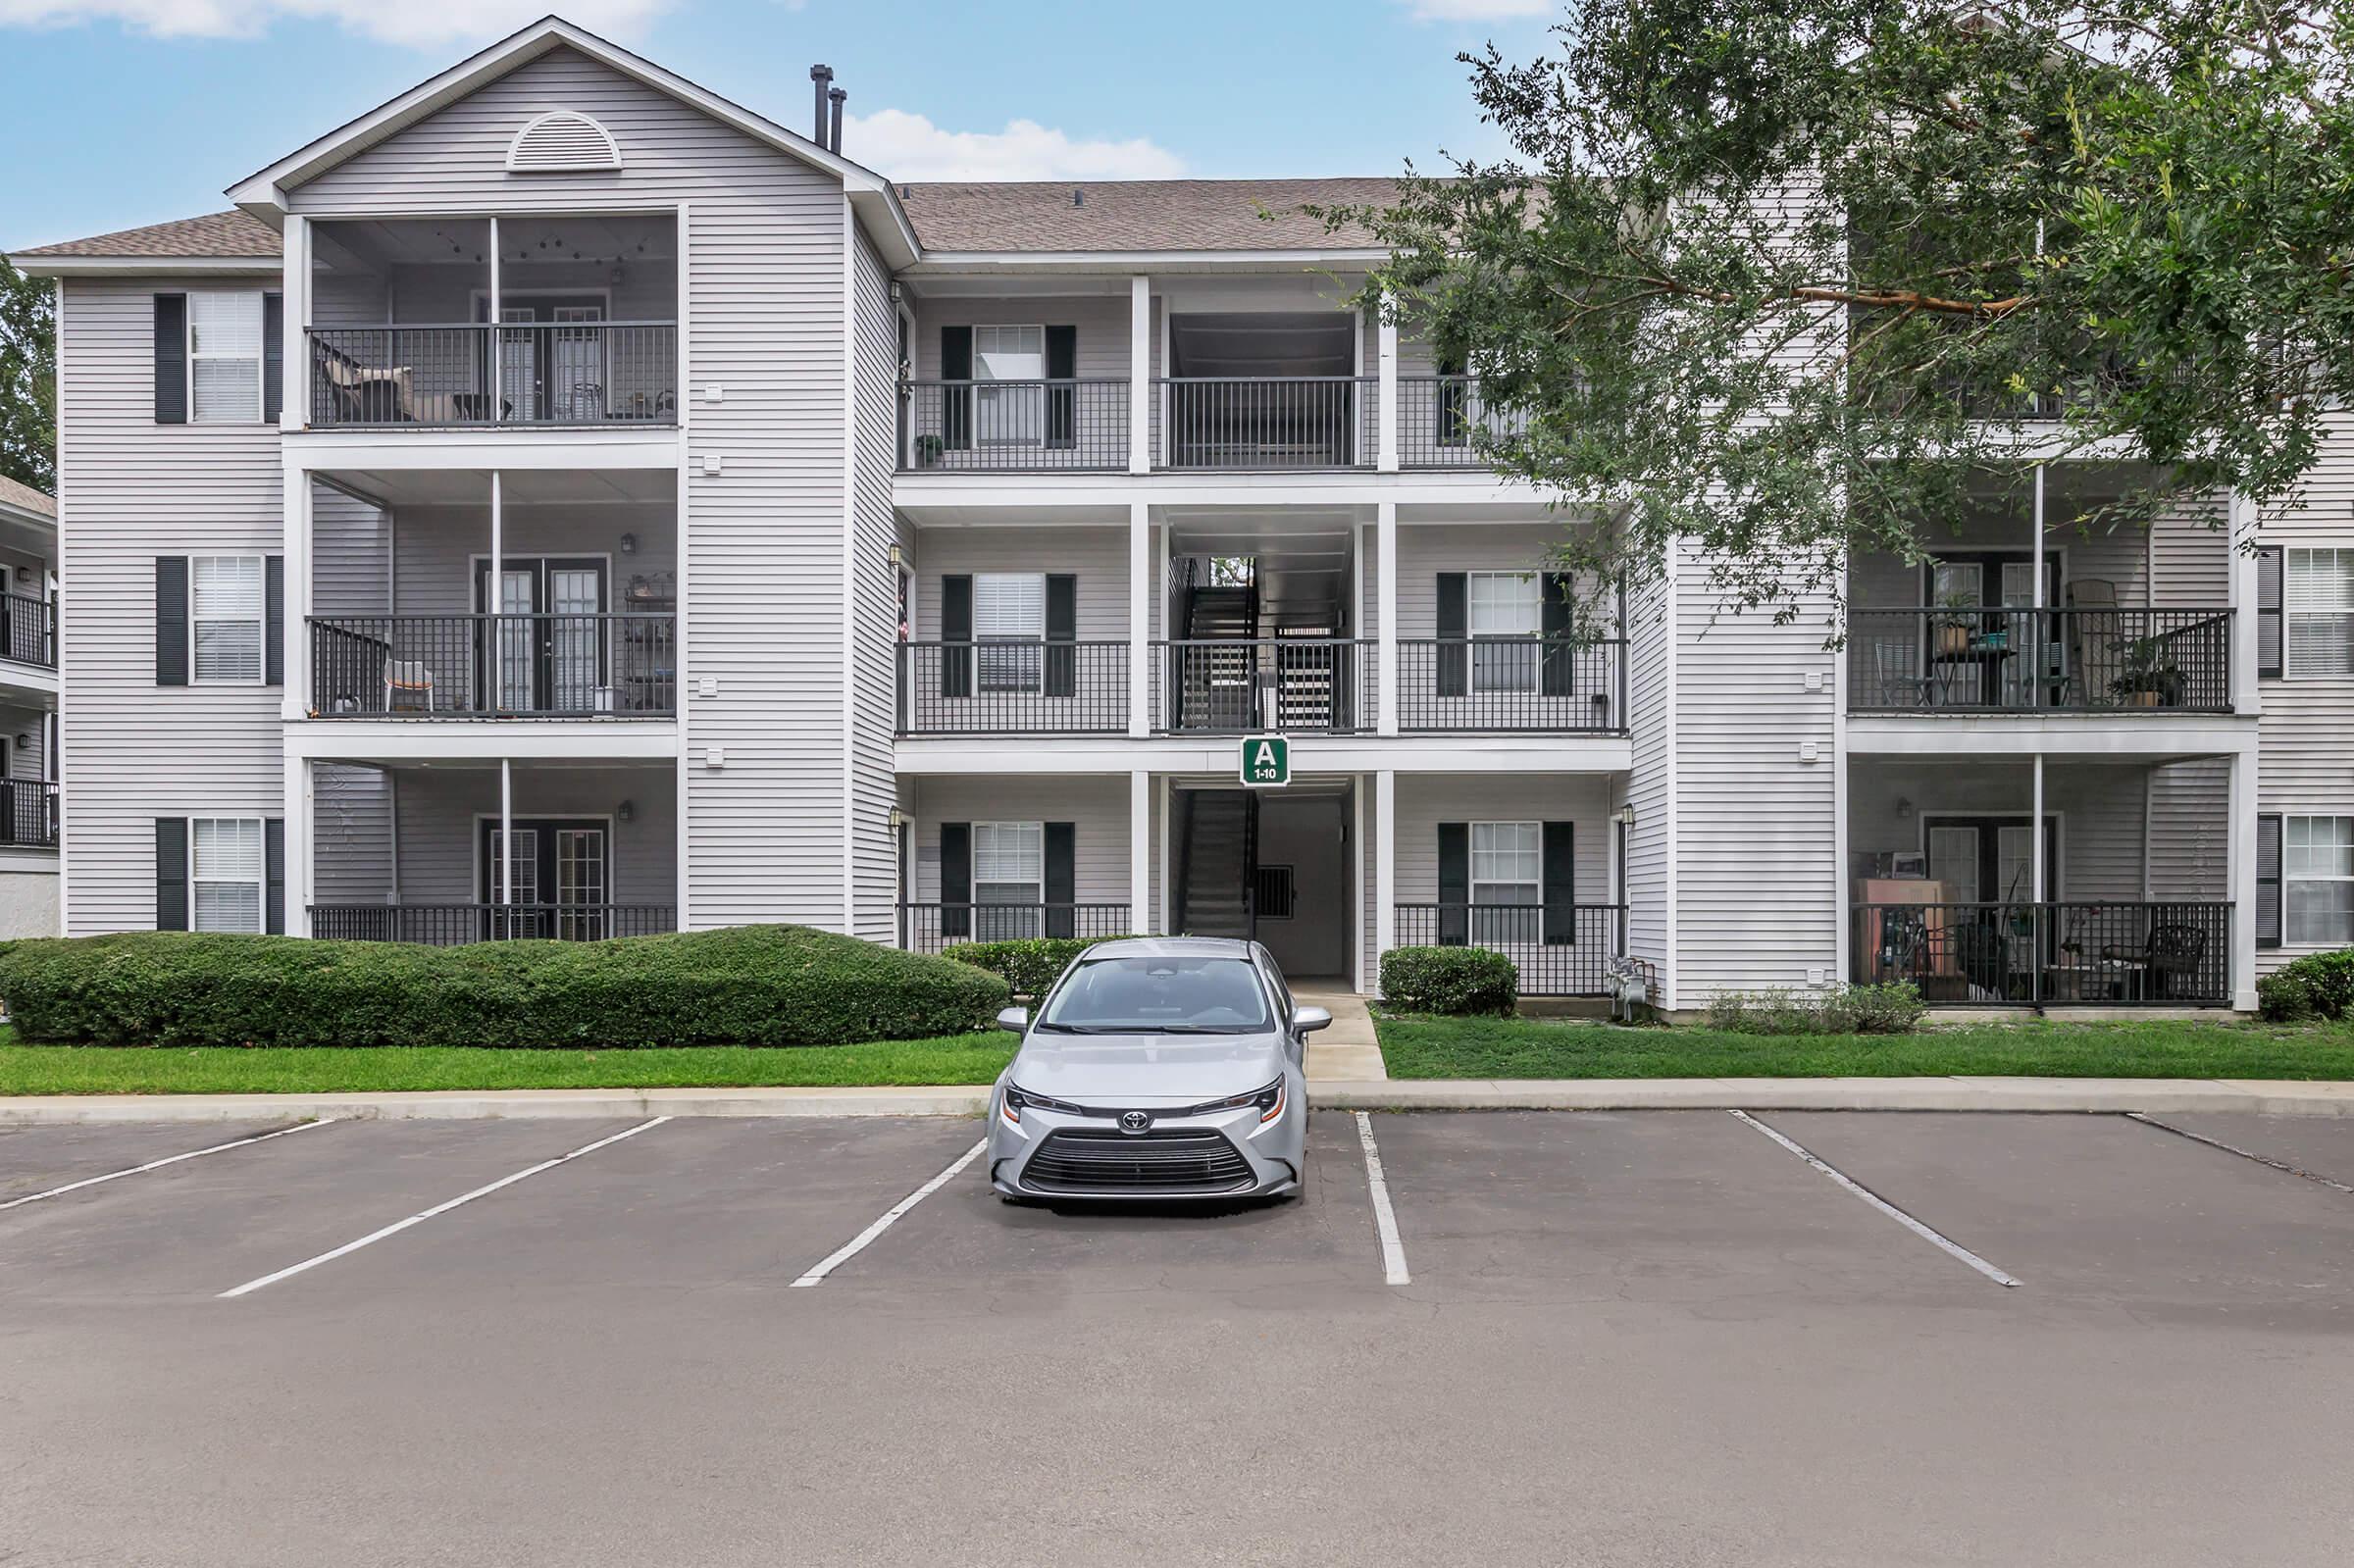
{"points": [[1266, 761]]}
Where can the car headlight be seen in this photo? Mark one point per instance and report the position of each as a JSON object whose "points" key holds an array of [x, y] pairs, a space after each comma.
{"points": [[1268, 1100], [1016, 1099]]}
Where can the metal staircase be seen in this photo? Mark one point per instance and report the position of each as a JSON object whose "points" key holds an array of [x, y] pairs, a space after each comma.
{"points": [[1218, 832]]}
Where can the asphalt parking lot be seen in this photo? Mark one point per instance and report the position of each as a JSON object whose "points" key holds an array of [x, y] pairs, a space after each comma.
{"points": [[1652, 1337]]}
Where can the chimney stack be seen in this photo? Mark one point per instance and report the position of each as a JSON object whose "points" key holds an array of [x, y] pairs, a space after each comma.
{"points": [[835, 96], [823, 78]]}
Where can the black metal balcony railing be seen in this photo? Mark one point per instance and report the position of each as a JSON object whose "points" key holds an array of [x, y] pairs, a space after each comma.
{"points": [[935, 927], [28, 630], [1015, 426], [1026, 688], [1270, 422], [526, 372], [1440, 422], [455, 924], [2005, 660], [1985, 955], [1298, 684], [1560, 949], [494, 666], [27, 814], [1523, 684]]}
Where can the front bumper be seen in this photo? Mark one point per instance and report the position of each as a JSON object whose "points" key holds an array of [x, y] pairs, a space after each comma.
{"points": [[1225, 1155]]}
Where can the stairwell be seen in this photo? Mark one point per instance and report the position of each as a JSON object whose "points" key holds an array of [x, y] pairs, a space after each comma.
{"points": [[1212, 900]]}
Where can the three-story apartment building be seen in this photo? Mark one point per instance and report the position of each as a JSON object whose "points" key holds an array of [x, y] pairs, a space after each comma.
{"points": [[563, 503]]}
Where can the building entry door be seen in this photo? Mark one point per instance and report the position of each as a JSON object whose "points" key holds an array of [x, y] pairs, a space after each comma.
{"points": [[548, 651], [562, 878]]}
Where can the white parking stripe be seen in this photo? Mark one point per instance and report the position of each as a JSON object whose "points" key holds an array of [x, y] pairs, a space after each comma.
{"points": [[1385, 1218], [398, 1226], [2281, 1166], [157, 1165], [890, 1217], [1885, 1207]]}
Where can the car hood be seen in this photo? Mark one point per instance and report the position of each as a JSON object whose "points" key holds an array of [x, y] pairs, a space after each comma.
{"points": [[1146, 1069]]}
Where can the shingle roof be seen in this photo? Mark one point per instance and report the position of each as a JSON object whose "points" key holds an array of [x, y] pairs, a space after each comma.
{"points": [[229, 233], [1135, 214], [24, 499]]}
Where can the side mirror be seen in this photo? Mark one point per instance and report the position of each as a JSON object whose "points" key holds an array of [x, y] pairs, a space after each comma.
{"points": [[1015, 1019], [1308, 1020]]}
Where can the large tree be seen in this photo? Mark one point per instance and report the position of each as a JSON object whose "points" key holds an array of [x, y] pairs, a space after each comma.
{"points": [[1787, 281], [28, 379]]}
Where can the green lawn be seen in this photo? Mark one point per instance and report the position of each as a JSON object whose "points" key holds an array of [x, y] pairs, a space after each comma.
{"points": [[227, 1070], [1533, 1047]]}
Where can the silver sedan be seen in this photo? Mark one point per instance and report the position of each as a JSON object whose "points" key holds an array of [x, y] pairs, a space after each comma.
{"points": [[1156, 1068]]}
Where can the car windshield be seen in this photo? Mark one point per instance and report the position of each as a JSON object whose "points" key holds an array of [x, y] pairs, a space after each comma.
{"points": [[1193, 995]]}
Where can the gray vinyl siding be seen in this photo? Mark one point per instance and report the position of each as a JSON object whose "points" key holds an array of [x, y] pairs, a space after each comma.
{"points": [[351, 554], [134, 491], [440, 811], [2098, 811], [351, 833], [2190, 828], [1095, 805], [1650, 787], [2183, 561], [1424, 800], [1098, 557], [1102, 320], [1427, 551], [763, 577], [1757, 899], [2306, 766], [875, 589]]}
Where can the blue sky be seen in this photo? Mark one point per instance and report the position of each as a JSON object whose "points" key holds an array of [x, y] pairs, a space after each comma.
{"points": [[167, 101]]}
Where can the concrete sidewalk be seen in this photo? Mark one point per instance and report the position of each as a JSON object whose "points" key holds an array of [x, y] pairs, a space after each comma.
{"points": [[2152, 1095], [1347, 1052]]}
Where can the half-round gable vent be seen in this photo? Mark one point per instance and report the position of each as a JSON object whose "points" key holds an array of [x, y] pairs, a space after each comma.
{"points": [[562, 140]]}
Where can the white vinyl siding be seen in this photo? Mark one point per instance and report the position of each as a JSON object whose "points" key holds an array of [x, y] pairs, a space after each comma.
{"points": [[2320, 600], [224, 357], [2317, 881], [225, 872], [1503, 605], [225, 619], [1010, 610]]}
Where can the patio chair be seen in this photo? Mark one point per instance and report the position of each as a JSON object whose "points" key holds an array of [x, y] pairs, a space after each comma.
{"points": [[1898, 678], [1984, 952], [2093, 643], [408, 687], [2172, 952]]}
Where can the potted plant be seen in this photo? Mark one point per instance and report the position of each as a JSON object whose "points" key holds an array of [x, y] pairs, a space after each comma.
{"points": [[1955, 628], [2149, 677], [928, 449]]}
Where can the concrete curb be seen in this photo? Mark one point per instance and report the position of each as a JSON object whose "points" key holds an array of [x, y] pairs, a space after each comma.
{"points": [[2152, 1095]]}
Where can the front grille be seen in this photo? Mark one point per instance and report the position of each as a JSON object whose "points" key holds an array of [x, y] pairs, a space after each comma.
{"points": [[1076, 1159]]}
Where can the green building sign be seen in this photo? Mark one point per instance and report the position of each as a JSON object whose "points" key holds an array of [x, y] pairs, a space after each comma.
{"points": [[1266, 761]]}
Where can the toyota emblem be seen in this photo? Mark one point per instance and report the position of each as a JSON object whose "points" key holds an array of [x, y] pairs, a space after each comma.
{"points": [[1135, 1122]]}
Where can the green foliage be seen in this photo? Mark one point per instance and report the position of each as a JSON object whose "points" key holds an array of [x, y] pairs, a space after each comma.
{"points": [[2314, 987], [1028, 964], [1459, 980], [28, 379], [744, 986], [1894, 1009], [1780, 284]]}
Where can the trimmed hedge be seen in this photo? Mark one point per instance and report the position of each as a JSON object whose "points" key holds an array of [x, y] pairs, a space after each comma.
{"points": [[744, 986], [1028, 964], [1891, 1009], [2316, 986], [1449, 980]]}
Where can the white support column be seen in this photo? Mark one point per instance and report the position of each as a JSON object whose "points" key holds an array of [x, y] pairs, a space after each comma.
{"points": [[506, 830], [1160, 913], [1357, 883], [294, 545], [1140, 624], [1385, 592], [296, 811], [1140, 846], [1140, 375], [498, 378], [2239, 528], [494, 596], [1385, 861], [2240, 866], [1387, 370], [2035, 839], [294, 318]]}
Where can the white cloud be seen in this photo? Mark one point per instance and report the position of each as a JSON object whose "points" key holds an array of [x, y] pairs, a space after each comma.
{"points": [[908, 146], [1477, 9], [401, 21]]}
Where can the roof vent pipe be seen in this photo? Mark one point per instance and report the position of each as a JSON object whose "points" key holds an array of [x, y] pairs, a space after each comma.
{"points": [[835, 97], [823, 78], [1078, 197]]}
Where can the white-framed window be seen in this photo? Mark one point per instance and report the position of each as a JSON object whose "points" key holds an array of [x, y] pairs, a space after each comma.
{"points": [[2317, 881], [1508, 867], [227, 869], [225, 619], [2320, 600], [1009, 622], [1504, 612], [1009, 869], [1011, 416], [224, 357]]}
